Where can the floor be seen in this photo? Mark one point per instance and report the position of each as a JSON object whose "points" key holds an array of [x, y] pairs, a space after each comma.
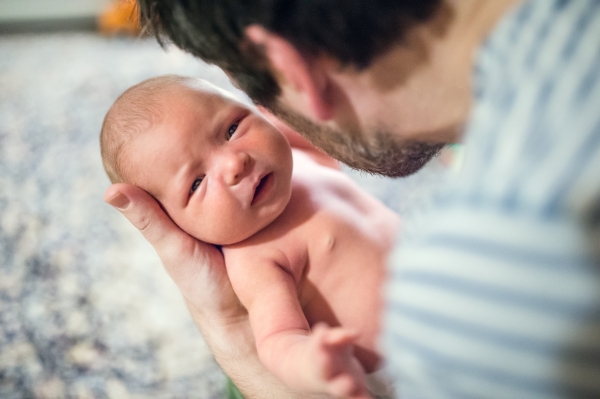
{"points": [[86, 310]]}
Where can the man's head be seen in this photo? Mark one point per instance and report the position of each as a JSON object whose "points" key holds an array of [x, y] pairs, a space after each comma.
{"points": [[221, 171], [268, 46], [355, 32]]}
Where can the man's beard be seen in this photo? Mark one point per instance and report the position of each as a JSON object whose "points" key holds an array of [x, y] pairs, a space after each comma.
{"points": [[379, 153]]}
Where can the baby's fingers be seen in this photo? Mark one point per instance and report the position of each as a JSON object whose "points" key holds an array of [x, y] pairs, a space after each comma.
{"points": [[342, 386], [340, 337], [346, 386], [336, 336]]}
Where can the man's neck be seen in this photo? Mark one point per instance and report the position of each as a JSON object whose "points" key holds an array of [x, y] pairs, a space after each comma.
{"points": [[421, 88], [475, 19]]}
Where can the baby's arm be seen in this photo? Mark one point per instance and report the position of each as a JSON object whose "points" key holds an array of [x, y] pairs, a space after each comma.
{"points": [[318, 362]]}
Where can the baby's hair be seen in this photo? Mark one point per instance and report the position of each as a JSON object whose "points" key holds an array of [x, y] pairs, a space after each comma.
{"points": [[135, 111]]}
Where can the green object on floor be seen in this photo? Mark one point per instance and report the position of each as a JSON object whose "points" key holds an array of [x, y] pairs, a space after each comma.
{"points": [[232, 391]]}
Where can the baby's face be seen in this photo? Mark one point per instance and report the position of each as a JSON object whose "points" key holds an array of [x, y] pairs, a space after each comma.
{"points": [[221, 171]]}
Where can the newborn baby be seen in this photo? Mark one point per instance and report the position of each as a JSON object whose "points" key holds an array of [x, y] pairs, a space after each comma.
{"points": [[305, 248]]}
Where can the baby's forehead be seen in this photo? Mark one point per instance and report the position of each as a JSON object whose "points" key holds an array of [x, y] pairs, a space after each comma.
{"points": [[206, 91], [181, 99]]}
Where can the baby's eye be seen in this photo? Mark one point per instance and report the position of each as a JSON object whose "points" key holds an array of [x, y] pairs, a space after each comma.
{"points": [[195, 185], [231, 130]]}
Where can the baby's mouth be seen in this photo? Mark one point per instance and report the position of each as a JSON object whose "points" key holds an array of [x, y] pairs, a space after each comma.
{"points": [[259, 190]]}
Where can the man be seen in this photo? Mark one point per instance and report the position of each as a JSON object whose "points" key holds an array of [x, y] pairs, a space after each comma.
{"points": [[494, 291]]}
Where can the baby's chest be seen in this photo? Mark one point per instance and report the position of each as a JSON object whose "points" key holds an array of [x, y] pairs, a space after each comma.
{"points": [[316, 246], [334, 239], [330, 252], [342, 277]]}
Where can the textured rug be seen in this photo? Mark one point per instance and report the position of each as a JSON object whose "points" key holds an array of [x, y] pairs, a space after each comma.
{"points": [[86, 310]]}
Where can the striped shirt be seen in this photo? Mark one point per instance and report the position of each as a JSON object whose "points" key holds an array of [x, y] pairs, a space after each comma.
{"points": [[495, 288]]}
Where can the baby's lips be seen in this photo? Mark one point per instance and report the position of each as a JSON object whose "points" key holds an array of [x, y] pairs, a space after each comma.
{"points": [[255, 188], [260, 185], [246, 190]]}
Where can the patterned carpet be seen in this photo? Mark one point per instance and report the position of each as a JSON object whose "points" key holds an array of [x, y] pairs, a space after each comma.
{"points": [[86, 310]]}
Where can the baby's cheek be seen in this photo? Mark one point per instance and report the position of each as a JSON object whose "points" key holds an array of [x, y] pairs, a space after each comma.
{"points": [[220, 226], [192, 226], [194, 222]]}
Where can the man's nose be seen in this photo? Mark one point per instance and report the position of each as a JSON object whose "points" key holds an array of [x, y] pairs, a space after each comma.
{"points": [[235, 167]]}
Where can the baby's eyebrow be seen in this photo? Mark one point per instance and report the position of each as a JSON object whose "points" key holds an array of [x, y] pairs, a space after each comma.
{"points": [[229, 116]]}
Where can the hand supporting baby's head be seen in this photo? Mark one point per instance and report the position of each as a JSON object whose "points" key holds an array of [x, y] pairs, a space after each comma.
{"points": [[219, 170], [134, 112]]}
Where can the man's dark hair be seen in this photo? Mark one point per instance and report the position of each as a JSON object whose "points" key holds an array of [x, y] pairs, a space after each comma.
{"points": [[352, 31]]}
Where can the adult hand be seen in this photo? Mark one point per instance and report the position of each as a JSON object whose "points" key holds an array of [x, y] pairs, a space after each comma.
{"points": [[199, 272], [196, 268]]}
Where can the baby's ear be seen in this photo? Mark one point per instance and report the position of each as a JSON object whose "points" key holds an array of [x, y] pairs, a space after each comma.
{"points": [[278, 123], [264, 111], [299, 142]]}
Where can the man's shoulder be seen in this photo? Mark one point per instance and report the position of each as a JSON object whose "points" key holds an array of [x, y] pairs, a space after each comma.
{"points": [[533, 138]]}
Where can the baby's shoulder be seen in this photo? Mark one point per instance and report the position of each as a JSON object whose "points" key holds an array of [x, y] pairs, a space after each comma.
{"points": [[312, 179], [244, 260], [269, 244], [339, 204], [261, 244], [283, 243]]}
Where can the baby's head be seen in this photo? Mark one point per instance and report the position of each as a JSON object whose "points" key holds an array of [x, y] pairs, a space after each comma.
{"points": [[221, 171]]}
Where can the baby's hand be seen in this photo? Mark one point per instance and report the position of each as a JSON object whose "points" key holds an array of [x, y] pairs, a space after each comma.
{"points": [[337, 369]]}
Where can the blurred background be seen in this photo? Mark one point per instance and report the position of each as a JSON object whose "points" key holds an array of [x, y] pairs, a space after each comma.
{"points": [[86, 310]]}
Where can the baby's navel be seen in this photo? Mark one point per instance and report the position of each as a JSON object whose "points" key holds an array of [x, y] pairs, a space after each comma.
{"points": [[329, 242]]}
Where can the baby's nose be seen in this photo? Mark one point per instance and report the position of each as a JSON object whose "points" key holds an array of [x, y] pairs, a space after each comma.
{"points": [[236, 167]]}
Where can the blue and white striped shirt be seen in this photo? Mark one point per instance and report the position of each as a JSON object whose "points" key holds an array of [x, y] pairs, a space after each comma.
{"points": [[494, 289]]}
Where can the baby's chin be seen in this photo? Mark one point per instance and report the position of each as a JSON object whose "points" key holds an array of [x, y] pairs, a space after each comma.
{"points": [[234, 234], [230, 232], [234, 237]]}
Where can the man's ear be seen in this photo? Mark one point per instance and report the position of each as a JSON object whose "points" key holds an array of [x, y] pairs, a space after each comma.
{"points": [[307, 78]]}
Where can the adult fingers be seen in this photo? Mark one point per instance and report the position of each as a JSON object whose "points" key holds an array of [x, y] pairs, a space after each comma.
{"points": [[182, 255], [197, 268], [149, 218]]}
